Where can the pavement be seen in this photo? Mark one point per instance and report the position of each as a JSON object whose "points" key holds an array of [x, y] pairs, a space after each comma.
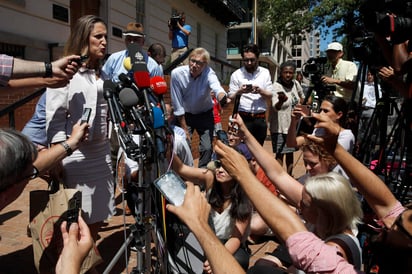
{"points": [[16, 254]]}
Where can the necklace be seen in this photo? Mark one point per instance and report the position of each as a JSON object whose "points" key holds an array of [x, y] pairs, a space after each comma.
{"points": [[227, 197]]}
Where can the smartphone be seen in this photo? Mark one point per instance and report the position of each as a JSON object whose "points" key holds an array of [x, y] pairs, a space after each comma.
{"points": [[86, 115], [222, 136], [236, 104], [81, 60], [172, 187], [74, 206], [306, 125], [249, 86]]}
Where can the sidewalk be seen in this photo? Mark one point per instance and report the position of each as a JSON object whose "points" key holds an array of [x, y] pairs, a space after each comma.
{"points": [[16, 254]]}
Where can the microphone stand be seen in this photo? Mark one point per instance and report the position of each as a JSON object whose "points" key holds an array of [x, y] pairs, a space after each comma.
{"points": [[149, 224]]}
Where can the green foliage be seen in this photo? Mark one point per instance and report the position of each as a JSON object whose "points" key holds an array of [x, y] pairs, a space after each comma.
{"points": [[291, 17]]}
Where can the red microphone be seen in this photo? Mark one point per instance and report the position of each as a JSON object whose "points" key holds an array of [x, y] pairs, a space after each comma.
{"points": [[158, 85], [141, 77]]}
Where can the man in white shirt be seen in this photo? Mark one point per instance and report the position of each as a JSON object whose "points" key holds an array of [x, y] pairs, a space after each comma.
{"points": [[254, 83]]}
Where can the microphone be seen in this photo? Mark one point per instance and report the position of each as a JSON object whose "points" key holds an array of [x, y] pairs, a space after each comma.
{"points": [[142, 79], [129, 99], [127, 63], [158, 85], [115, 112]]}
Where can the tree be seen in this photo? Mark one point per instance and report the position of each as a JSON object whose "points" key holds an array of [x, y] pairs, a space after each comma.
{"points": [[291, 17]]}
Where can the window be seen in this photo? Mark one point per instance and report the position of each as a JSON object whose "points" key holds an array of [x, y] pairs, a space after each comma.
{"points": [[60, 13], [12, 50], [296, 52]]}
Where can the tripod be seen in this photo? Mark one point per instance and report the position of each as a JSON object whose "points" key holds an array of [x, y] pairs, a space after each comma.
{"points": [[386, 148]]}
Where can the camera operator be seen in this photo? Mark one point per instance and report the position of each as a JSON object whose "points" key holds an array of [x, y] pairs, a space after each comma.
{"points": [[341, 73], [179, 33]]}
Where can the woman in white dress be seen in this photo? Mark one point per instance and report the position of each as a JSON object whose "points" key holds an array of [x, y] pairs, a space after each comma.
{"points": [[88, 168]]}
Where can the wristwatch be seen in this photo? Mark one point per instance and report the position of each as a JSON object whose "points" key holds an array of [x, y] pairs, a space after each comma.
{"points": [[68, 149]]}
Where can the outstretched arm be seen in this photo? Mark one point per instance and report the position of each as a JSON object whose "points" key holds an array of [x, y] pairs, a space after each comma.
{"points": [[47, 158], [286, 184], [277, 214], [376, 193], [201, 176]]}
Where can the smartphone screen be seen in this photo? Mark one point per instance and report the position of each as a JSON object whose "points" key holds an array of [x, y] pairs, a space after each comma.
{"points": [[306, 125], [172, 187], [86, 115]]}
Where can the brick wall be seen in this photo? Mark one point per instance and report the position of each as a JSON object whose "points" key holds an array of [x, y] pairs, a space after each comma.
{"points": [[22, 114]]}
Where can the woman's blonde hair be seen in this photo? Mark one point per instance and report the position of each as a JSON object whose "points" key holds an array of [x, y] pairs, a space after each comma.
{"points": [[338, 207]]}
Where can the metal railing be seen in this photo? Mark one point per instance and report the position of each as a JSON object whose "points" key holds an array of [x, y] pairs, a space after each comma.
{"points": [[9, 110]]}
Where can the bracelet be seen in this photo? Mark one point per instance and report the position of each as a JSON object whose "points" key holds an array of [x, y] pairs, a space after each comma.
{"points": [[48, 70], [68, 149]]}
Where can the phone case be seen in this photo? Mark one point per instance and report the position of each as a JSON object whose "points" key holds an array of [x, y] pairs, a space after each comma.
{"points": [[172, 187], [306, 125]]}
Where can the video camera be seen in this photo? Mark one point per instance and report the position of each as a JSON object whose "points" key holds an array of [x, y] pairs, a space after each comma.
{"points": [[174, 19], [389, 18], [315, 68]]}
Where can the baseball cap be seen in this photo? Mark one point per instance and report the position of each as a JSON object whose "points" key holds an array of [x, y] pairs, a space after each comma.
{"points": [[134, 29], [335, 46]]}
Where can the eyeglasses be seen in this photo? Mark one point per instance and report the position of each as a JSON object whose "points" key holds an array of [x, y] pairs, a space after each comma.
{"points": [[32, 175], [252, 60], [197, 62]]}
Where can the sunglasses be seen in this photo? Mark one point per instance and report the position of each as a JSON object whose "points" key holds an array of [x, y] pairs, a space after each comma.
{"points": [[218, 164], [197, 62]]}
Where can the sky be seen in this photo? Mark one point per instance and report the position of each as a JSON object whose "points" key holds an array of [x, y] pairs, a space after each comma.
{"points": [[324, 41]]}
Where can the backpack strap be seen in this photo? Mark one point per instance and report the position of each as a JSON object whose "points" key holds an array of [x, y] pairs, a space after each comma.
{"points": [[349, 246]]}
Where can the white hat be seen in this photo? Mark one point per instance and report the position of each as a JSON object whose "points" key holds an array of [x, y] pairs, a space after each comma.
{"points": [[335, 46]]}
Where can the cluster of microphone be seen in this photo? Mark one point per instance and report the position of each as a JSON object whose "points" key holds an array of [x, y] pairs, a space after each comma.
{"points": [[136, 106]]}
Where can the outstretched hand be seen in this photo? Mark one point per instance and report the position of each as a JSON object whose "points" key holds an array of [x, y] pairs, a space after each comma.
{"points": [[330, 135], [65, 67], [233, 162], [194, 211]]}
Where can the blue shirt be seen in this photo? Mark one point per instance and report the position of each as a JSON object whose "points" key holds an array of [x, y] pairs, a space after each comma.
{"points": [[113, 67], [35, 129], [180, 39], [193, 95]]}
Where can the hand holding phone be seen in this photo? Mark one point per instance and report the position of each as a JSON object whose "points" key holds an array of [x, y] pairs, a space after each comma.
{"points": [[86, 115], [306, 125], [73, 209], [172, 187], [81, 60]]}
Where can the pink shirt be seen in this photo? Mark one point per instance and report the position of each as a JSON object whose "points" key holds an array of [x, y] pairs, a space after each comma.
{"points": [[312, 255]]}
